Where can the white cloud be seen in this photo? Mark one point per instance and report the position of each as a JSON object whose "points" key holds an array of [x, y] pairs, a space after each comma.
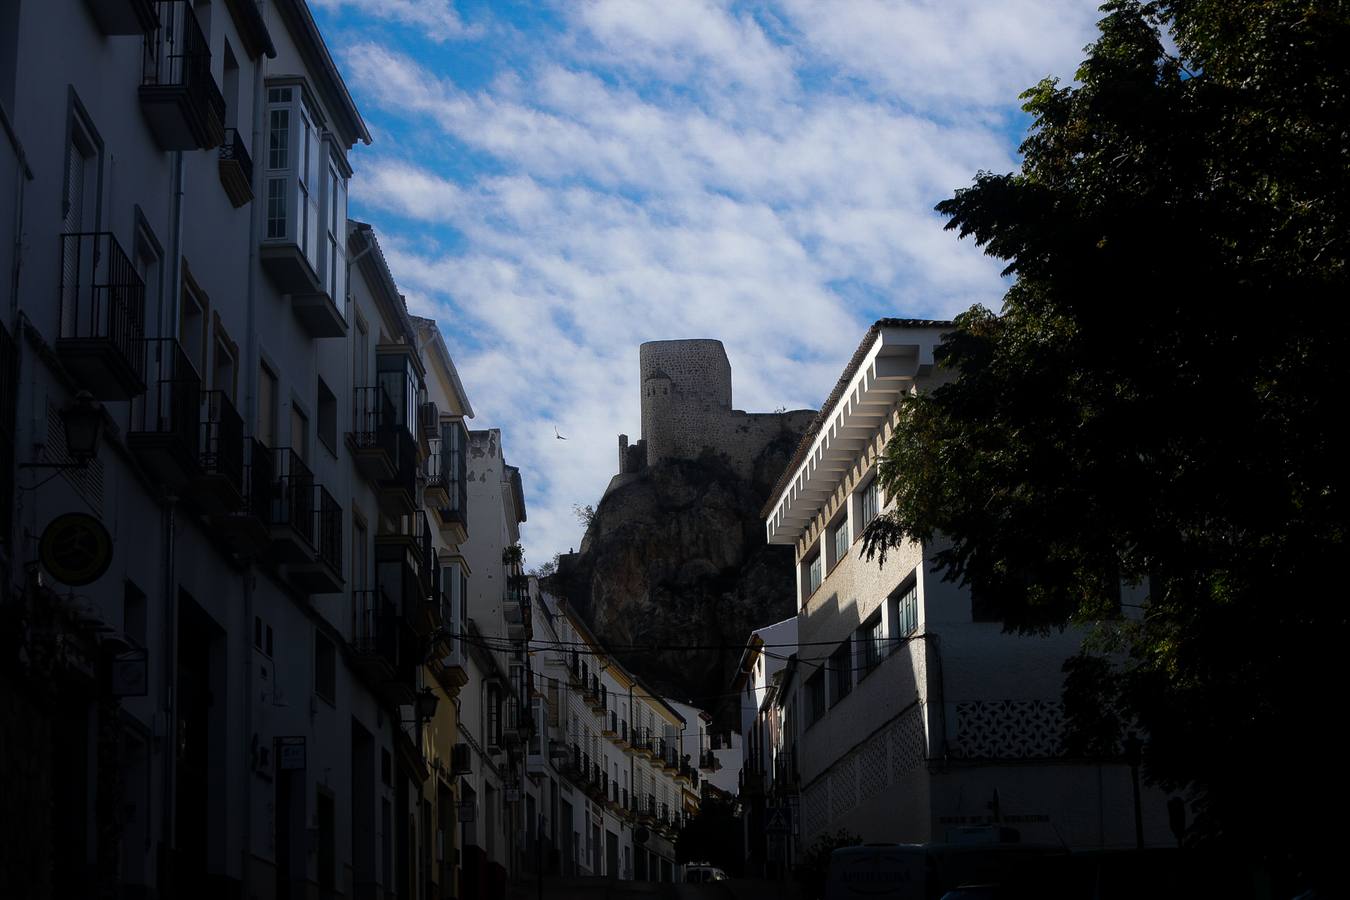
{"points": [[437, 19], [667, 170]]}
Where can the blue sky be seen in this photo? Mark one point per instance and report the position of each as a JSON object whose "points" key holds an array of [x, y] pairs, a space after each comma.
{"points": [[556, 182]]}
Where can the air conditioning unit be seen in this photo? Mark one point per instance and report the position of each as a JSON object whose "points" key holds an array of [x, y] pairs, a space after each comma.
{"points": [[461, 763]]}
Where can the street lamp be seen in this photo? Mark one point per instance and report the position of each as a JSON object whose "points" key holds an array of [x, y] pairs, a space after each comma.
{"points": [[83, 420], [425, 704]]}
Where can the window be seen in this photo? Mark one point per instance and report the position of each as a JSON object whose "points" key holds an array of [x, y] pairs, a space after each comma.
{"points": [[871, 650], [494, 717], [299, 432], [327, 418], [455, 463], [306, 182], [869, 502], [80, 206], [360, 564], [230, 86], [841, 672], [192, 324], [905, 610], [223, 375], [815, 698], [814, 575], [360, 354], [325, 667], [840, 539], [266, 431]]}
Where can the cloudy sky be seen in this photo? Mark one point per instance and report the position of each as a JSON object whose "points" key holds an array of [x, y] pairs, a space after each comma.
{"points": [[556, 182]]}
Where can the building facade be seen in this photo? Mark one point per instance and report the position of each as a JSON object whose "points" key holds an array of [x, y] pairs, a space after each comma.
{"points": [[614, 774], [907, 714], [235, 654]]}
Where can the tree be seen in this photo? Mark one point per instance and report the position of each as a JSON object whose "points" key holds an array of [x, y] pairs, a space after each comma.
{"points": [[1160, 400]]}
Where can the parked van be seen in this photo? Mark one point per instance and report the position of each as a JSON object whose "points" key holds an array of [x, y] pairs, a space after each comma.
{"points": [[698, 873], [927, 871]]}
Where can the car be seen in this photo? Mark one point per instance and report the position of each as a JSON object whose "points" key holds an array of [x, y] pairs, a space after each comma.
{"points": [[698, 873]]}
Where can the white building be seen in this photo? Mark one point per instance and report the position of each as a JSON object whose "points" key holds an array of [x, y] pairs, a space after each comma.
{"points": [[221, 688], [766, 654], [614, 766], [911, 714]]}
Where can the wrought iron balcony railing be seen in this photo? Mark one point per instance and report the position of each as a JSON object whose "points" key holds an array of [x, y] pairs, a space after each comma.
{"points": [[222, 439], [101, 323]]}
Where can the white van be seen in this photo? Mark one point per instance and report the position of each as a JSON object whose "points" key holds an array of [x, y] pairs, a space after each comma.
{"points": [[926, 871], [698, 873]]}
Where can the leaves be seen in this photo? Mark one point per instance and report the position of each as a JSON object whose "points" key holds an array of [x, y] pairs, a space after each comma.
{"points": [[1159, 400]]}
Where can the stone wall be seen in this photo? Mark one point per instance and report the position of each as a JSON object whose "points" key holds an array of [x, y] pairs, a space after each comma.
{"points": [[686, 410]]}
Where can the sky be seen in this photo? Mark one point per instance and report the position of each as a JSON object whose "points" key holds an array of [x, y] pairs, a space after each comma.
{"points": [[557, 182]]}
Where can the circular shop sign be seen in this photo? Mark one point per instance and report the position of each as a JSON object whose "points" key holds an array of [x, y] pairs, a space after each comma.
{"points": [[75, 549]]}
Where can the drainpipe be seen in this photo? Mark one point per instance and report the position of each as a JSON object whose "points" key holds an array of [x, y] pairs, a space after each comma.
{"points": [[250, 414], [169, 642], [168, 315], [22, 173]]}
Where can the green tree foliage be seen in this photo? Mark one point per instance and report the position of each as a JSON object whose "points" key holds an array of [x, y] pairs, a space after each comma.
{"points": [[1162, 400]]}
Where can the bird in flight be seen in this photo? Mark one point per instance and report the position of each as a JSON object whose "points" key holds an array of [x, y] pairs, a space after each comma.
{"points": [[556, 435]]}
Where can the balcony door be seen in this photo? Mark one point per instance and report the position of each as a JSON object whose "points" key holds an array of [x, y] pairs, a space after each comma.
{"points": [[79, 214]]}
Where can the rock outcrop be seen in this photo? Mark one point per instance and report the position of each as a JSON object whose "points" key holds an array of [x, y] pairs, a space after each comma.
{"points": [[675, 556]]}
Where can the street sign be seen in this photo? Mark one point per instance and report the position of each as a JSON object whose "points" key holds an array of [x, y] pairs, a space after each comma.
{"points": [[131, 674], [290, 753], [777, 822]]}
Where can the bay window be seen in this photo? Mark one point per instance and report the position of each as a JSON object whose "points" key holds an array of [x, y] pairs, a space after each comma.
{"points": [[305, 186]]}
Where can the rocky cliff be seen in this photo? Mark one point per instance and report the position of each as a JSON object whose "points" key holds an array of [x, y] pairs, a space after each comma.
{"points": [[675, 556]]}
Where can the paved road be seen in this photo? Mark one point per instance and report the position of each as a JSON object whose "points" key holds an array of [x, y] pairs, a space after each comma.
{"points": [[605, 889]]}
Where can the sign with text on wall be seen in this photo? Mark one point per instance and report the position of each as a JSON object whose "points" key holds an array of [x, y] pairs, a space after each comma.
{"points": [[291, 753]]}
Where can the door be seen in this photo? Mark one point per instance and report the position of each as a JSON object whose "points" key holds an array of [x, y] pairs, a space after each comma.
{"points": [[611, 854], [327, 856]]}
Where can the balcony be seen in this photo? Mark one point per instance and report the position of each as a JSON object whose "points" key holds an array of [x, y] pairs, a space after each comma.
{"points": [[450, 483], [436, 492], [219, 485], [404, 560], [598, 696], [123, 17], [321, 573], [102, 317], [707, 761], [373, 439], [642, 741], [291, 519], [165, 433], [247, 529], [378, 645], [179, 97], [609, 725], [236, 168], [624, 737]]}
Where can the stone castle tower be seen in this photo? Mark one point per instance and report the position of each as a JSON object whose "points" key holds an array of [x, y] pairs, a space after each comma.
{"points": [[686, 410]]}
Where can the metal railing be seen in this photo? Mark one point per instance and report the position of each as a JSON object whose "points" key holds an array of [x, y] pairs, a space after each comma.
{"points": [[372, 415], [234, 149], [172, 405], [102, 296], [373, 625], [222, 439], [328, 527], [293, 494], [177, 54]]}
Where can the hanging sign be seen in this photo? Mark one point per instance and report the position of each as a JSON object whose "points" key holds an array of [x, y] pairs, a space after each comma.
{"points": [[131, 674], [75, 549]]}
